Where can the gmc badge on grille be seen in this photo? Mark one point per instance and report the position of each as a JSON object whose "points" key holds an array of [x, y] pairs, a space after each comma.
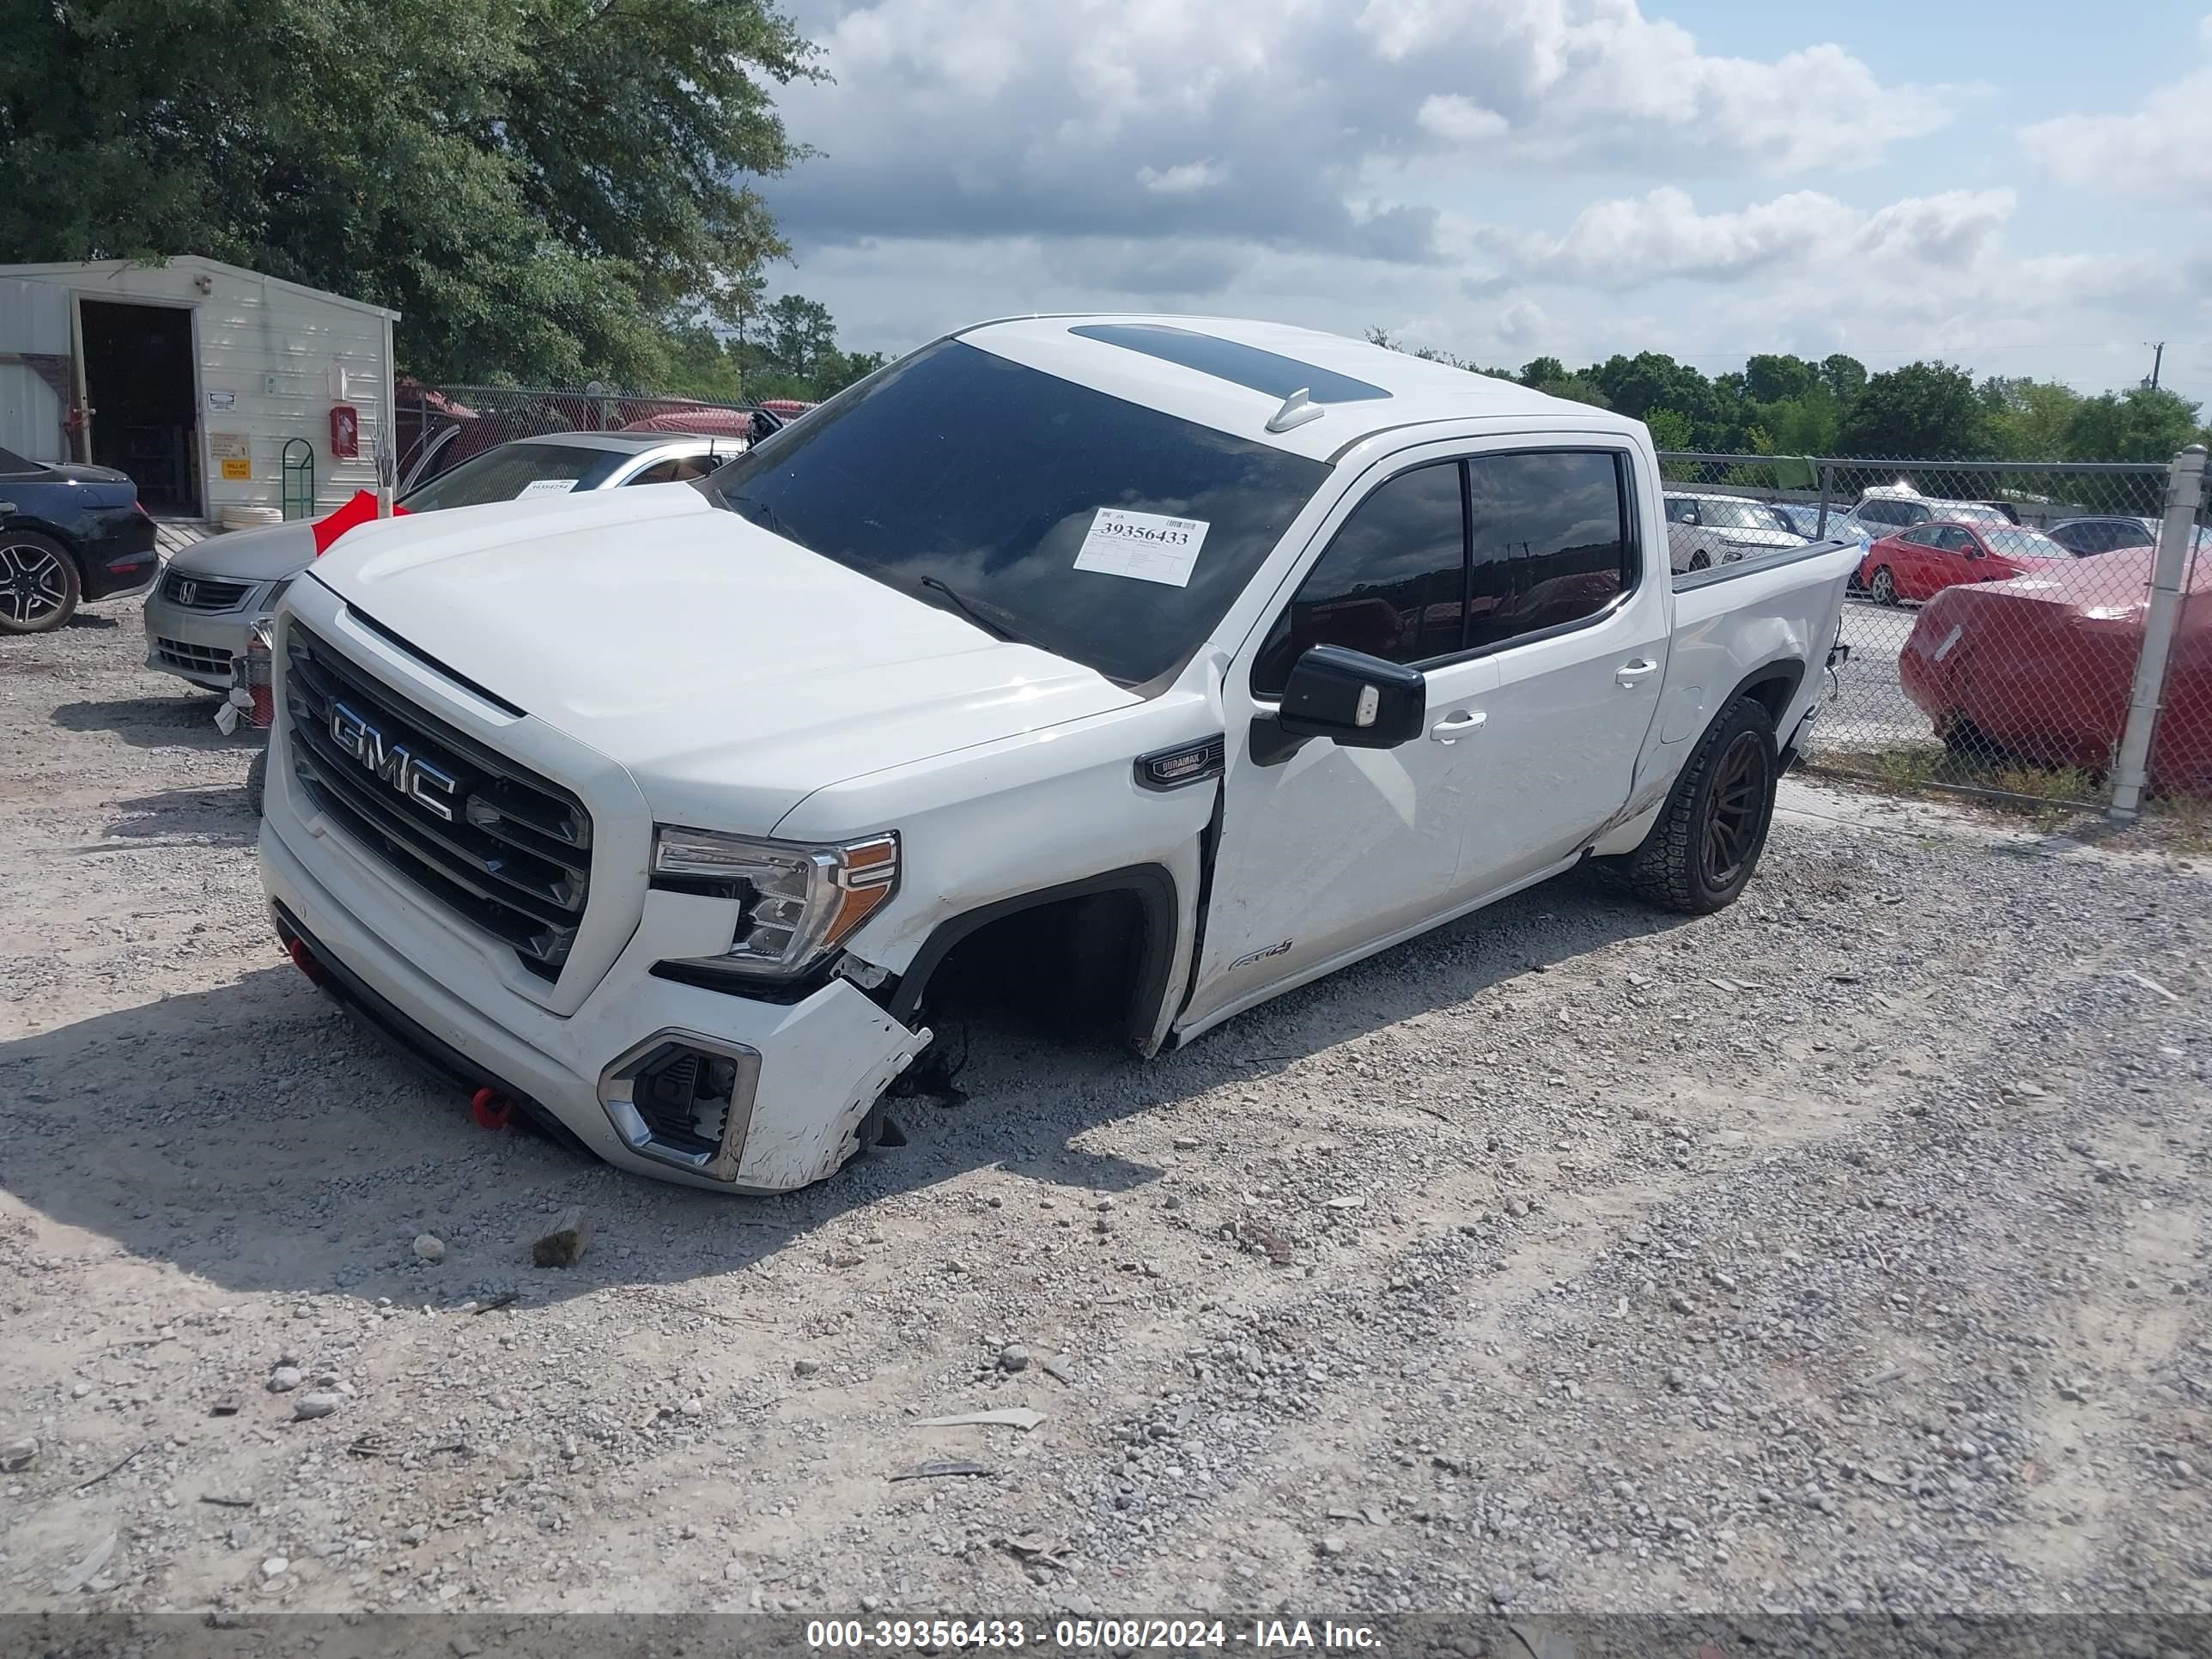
{"points": [[425, 785]]}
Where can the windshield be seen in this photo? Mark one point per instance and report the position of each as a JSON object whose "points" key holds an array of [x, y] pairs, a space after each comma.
{"points": [[517, 469], [1106, 532]]}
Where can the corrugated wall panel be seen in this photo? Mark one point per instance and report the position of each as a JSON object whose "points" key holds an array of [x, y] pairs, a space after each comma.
{"points": [[33, 317]]}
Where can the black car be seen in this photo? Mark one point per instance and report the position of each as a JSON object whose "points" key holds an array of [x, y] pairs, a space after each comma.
{"points": [[2085, 536], [68, 534]]}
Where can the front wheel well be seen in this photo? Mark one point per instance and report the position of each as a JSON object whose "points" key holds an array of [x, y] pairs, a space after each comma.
{"points": [[1091, 956]]}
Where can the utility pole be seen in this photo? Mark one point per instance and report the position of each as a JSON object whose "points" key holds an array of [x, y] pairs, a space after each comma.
{"points": [[2157, 357]]}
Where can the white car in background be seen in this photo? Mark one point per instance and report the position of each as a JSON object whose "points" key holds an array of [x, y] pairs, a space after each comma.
{"points": [[201, 614], [1703, 530], [1888, 508]]}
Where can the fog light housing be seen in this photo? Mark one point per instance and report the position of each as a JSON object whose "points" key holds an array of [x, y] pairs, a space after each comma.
{"points": [[685, 1100]]}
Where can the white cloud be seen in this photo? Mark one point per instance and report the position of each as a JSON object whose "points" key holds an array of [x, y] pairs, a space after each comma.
{"points": [[1268, 119], [1661, 237], [1183, 178], [1453, 119], [2162, 152], [1415, 164], [1596, 81]]}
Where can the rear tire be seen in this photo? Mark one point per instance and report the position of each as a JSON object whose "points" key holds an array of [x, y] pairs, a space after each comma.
{"points": [[1703, 850], [1964, 741], [1883, 588], [40, 587], [256, 782]]}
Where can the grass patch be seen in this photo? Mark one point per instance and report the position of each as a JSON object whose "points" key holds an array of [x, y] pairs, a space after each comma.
{"points": [[2046, 793], [2050, 798]]}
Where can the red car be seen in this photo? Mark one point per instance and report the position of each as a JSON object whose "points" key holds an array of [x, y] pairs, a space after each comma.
{"points": [[1920, 562], [2041, 668]]}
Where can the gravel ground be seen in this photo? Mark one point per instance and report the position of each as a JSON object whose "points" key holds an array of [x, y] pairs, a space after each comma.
{"points": [[1847, 1249]]}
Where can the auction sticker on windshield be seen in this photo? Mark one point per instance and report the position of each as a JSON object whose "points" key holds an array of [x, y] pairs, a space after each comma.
{"points": [[1145, 545], [546, 487]]}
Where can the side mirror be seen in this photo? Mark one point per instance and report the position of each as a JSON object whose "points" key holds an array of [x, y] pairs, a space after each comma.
{"points": [[1353, 699]]}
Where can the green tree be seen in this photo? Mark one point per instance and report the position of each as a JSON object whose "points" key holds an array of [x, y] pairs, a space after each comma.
{"points": [[2143, 423], [1845, 377], [701, 365], [1670, 428], [1806, 425], [1922, 410], [1541, 371], [1575, 389], [534, 185], [796, 355], [2028, 418], [1770, 378], [1651, 379]]}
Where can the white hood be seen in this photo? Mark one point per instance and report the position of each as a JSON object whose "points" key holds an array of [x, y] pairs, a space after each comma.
{"points": [[732, 672]]}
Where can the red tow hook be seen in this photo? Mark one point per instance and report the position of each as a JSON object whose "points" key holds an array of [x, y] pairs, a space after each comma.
{"points": [[304, 960], [490, 1109]]}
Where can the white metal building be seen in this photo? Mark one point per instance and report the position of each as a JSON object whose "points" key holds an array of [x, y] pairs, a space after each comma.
{"points": [[197, 379]]}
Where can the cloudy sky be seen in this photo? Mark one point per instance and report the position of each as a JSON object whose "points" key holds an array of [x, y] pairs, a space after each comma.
{"points": [[2023, 187]]}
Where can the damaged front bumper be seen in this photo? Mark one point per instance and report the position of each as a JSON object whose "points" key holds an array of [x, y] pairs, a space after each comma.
{"points": [[665, 1079]]}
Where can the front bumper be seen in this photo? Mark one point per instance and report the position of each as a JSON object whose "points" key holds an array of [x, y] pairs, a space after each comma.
{"points": [[198, 644], [809, 1070]]}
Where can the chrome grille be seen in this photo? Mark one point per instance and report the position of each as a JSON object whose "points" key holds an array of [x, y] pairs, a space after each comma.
{"points": [[202, 592], [196, 658], [514, 857]]}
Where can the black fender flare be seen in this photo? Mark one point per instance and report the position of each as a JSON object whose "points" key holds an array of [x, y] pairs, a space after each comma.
{"points": [[1151, 885]]}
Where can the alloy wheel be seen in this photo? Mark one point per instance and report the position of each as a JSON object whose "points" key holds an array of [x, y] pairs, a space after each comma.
{"points": [[1733, 809], [33, 586]]}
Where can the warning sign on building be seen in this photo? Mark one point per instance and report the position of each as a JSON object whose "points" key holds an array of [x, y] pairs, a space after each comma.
{"points": [[234, 453]]}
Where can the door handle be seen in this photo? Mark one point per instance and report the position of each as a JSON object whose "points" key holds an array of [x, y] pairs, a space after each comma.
{"points": [[1629, 672], [1454, 726]]}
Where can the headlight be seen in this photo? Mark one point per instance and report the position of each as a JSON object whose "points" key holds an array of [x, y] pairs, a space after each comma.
{"points": [[800, 901]]}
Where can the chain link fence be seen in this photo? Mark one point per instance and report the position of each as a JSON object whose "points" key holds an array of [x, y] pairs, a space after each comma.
{"points": [[1998, 619], [438, 427]]}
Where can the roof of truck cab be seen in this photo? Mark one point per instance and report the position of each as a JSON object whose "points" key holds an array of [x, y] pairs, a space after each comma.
{"points": [[1233, 375]]}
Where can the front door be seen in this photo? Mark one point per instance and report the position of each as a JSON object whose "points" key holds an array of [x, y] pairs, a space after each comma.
{"points": [[1324, 849]]}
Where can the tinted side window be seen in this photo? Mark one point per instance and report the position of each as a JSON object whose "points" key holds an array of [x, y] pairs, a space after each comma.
{"points": [[1680, 511], [1551, 542], [1392, 582]]}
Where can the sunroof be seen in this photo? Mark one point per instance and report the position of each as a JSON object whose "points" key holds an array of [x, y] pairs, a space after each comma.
{"points": [[1225, 360]]}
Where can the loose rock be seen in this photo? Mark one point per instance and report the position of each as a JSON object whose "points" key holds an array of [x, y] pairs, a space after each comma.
{"points": [[564, 1245]]}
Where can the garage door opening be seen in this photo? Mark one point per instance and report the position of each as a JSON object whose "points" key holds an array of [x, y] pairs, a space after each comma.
{"points": [[138, 380]]}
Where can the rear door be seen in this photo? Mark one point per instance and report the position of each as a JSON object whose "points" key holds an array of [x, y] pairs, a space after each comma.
{"points": [[1911, 553], [1571, 610]]}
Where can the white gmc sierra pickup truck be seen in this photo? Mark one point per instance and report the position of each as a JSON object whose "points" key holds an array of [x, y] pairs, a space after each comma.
{"points": [[1164, 664]]}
